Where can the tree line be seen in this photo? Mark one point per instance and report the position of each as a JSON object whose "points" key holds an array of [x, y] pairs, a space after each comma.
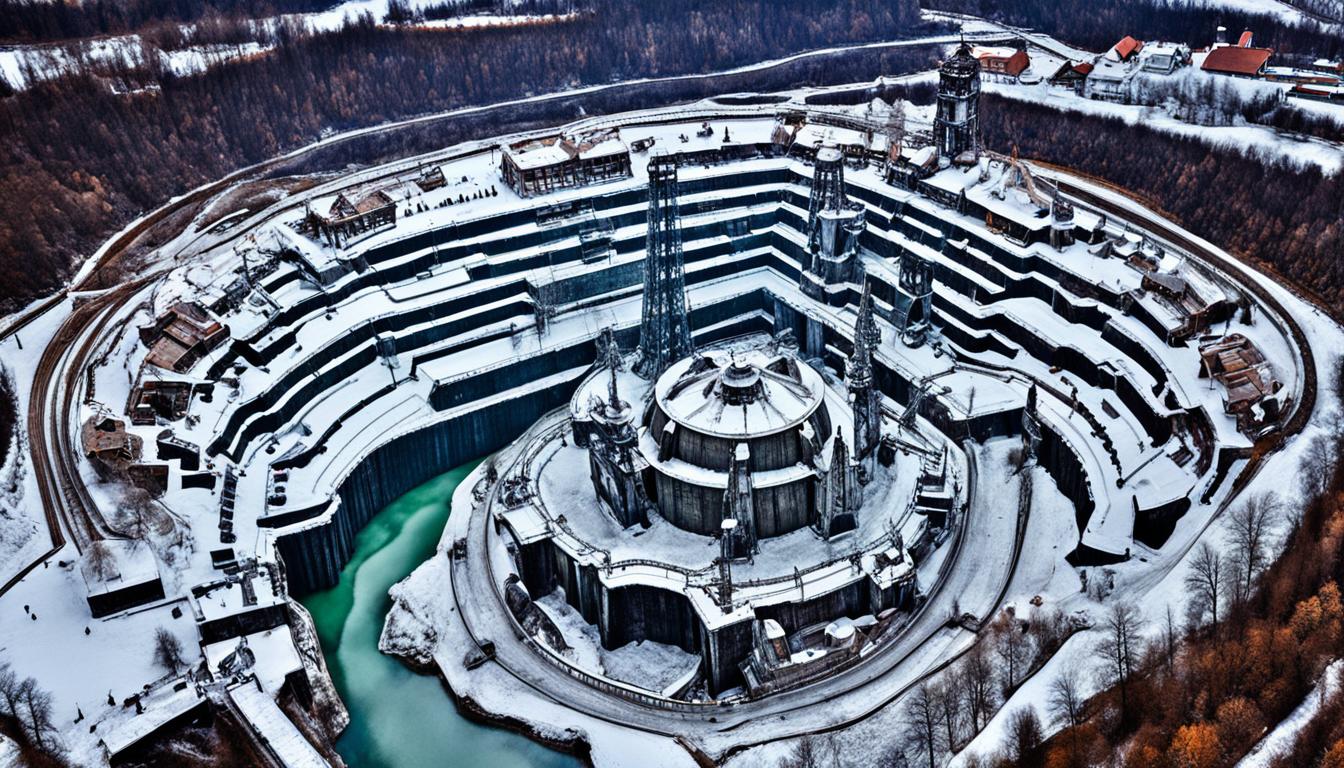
{"points": [[1196, 688], [42, 21], [79, 158]]}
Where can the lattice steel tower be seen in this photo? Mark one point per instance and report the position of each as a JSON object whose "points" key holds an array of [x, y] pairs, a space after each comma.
{"points": [[665, 331], [956, 126]]}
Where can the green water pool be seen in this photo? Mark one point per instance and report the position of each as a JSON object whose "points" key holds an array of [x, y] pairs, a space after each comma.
{"points": [[400, 719]]}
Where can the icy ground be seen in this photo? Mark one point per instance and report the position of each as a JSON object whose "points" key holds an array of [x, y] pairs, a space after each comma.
{"points": [[23, 535]]}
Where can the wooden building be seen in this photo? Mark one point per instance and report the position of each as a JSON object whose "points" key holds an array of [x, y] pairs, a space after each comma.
{"points": [[350, 216], [1002, 61], [181, 336], [538, 166]]}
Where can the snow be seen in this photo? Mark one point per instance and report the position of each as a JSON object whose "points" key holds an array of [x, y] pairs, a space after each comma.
{"points": [[1296, 149], [23, 537], [275, 729], [1284, 11], [656, 667], [1279, 740]]}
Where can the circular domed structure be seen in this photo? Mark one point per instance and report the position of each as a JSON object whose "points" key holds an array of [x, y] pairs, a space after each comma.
{"points": [[766, 410]]}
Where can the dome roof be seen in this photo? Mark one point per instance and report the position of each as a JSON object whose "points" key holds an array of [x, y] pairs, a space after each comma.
{"points": [[739, 395]]}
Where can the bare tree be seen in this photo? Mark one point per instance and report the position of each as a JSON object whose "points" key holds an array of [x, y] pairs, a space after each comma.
{"points": [[9, 691], [1066, 696], [136, 516], [1250, 526], [1170, 641], [35, 715], [1013, 648], [1120, 648], [812, 751], [1318, 464], [1024, 735], [977, 676], [921, 723], [1205, 582], [168, 650], [948, 701], [102, 563]]}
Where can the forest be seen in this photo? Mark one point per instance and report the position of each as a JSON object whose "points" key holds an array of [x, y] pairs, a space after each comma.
{"points": [[37, 20], [1283, 218], [83, 154]]}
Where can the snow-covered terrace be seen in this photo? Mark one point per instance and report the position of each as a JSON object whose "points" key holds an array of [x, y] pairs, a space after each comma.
{"points": [[1148, 471]]}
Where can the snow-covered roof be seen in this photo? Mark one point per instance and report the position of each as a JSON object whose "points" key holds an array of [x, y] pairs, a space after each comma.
{"points": [[704, 399]]}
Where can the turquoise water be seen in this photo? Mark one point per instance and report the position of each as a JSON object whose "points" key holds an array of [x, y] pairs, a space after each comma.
{"points": [[400, 719]]}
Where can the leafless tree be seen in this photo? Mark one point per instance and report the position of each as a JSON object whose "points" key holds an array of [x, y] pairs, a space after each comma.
{"points": [[9, 691], [168, 650], [136, 516], [1170, 641], [977, 683], [1206, 583], [921, 723], [1120, 647], [34, 714], [947, 699], [1013, 648], [813, 752], [102, 563], [1066, 696], [1024, 735], [1318, 464], [1250, 526]]}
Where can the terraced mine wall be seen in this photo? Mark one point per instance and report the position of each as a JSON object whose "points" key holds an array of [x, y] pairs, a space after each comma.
{"points": [[742, 235]]}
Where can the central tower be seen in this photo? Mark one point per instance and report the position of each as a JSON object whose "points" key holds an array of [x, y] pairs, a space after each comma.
{"points": [[664, 331]]}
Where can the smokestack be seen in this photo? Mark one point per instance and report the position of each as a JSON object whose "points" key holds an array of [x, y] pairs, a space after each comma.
{"points": [[1221, 37]]}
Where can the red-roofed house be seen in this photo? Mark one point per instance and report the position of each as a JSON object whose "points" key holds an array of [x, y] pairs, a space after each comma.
{"points": [[1003, 61], [1072, 74], [1234, 60], [1127, 47], [1245, 40]]}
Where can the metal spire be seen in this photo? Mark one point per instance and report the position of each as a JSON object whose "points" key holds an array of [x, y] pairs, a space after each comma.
{"points": [[867, 337], [665, 331]]}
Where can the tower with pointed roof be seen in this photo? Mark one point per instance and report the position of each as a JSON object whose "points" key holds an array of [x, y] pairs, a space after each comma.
{"points": [[613, 459], [865, 399], [839, 493]]}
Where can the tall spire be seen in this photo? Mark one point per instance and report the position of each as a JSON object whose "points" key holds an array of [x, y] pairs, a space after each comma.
{"points": [[865, 399], [610, 356], [866, 339], [839, 492], [665, 331]]}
